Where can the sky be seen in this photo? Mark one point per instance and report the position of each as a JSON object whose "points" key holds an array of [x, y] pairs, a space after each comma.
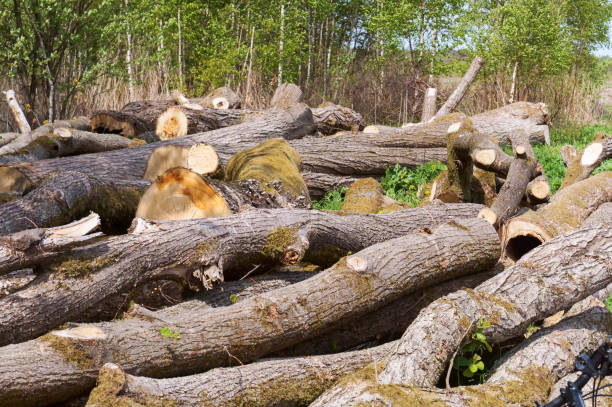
{"points": [[606, 51]]}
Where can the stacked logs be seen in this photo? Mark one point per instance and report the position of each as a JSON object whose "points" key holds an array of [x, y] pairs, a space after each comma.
{"points": [[279, 304]]}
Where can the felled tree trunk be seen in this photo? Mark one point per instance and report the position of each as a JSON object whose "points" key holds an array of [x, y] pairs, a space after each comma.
{"points": [[551, 277], [330, 118], [319, 183], [132, 120], [568, 153], [71, 195], [286, 95], [538, 190], [583, 164], [504, 122], [602, 216], [386, 323], [80, 123], [249, 329], [522, 170], [179, 121], [566, 212], [458, 94], [6, 138], [277, 382], [129, 164], [526, 376]]}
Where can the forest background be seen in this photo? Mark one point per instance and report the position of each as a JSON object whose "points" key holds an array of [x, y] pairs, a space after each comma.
{"points": [[70, 57]]}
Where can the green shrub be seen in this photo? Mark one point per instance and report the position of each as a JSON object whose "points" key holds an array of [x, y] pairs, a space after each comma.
{"points": [[403, 184], [332, 201]]}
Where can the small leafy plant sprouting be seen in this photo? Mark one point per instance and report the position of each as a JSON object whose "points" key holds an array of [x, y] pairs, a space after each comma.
{"points": [[170, 334], [469, 359], [609, 303], [233, 298]]}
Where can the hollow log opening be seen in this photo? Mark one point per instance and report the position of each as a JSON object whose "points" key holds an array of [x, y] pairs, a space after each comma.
{"points": [[518, 246]]}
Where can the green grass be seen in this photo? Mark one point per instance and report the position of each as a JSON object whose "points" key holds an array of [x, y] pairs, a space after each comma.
{"points": [[402, 184]]}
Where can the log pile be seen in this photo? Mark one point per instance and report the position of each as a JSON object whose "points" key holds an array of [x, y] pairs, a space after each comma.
{"points": [[168, 254]]}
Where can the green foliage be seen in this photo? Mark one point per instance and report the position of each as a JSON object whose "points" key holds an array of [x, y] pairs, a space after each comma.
{"points": [[469, 360], [402, 184], [233, 298], [170, 334], [609, 303], [332, 200]]}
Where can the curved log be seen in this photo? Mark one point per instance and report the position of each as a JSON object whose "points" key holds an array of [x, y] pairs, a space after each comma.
{"points": [[526, 375], [50, 369], [217, 246], [551, 277], [276, 382], [565, 212], [71, 195]]}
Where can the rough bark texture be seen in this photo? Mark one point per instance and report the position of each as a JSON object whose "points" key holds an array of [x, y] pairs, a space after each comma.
{"points": [[285, 96], [276, 382], [14, 147], [20, 119], [429, 104], [228, 244], [526, 375], [71, 195], [458, 94], [330, 118], [550, 278], [386, 323], [504, 122], [319, 184], [565, 212], [249, 329], [522, 170], [602, 216], [179, 121], [129, 164], [6, 138], [583, 164], [568, 153], [123, 123], [73, 141]]}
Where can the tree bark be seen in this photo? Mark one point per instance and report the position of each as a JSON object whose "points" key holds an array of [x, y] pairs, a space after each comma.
{"points": [[567, 210], [228, 245], [6, 138], [17, 144], [71, 195], [123, 123], [319, 183], [366, 196], [250, 329], [584, 163], [330, 118], [286, 95], [20, 119], [429, 104], [462, 88], [526, 376], [601, 216], [274, 382], [522, 170], [568, 153], [551, 277], [129, 164]]}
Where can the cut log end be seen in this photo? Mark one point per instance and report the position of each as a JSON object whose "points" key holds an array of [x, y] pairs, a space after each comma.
{"points": [[520, 151], [181, 194], [220, 103], [453, 128], [13, 183], [77, 228], [522, 237], [199, 158], [488, 215], [485, 157], [371, 129], [591, 154], [105, 123], [171, 124], [540, 190]]}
